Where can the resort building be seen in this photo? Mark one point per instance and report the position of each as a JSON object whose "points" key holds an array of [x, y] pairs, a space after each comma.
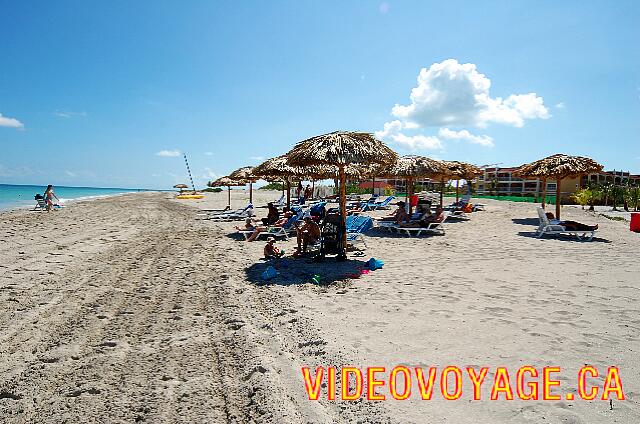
{"points": [[501, 182]]}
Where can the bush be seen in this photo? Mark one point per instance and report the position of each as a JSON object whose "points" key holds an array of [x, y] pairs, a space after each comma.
{"points": [[272, 186], [212, 190]]}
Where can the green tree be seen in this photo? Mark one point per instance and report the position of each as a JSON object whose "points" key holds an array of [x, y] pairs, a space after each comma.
{"points": [[617, 195], [581, 197], [633, 197], [594, 194], [606, 188]]}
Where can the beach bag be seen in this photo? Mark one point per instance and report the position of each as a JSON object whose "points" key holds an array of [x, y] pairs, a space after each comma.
{"points": [[374, 264]]}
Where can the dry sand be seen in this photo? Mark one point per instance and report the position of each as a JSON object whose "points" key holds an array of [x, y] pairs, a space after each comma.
{"points": [[128, 309]]}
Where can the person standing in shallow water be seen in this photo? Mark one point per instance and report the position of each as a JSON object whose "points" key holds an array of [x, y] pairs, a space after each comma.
{"points": [[48, 197]]}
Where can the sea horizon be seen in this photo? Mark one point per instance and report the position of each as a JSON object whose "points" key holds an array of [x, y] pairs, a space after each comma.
{"points": [[20, 196]]}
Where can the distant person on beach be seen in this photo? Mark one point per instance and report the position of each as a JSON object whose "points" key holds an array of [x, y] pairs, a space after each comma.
{"points": [[307, 193], [48, 197], [299, 190], [308, 233], [271, 251], [398, 216]]}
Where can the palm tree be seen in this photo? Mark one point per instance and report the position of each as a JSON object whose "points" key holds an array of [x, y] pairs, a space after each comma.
{"points": [[633, 197], [581, 197], [595, 195], [606, 191], [617, 195]]}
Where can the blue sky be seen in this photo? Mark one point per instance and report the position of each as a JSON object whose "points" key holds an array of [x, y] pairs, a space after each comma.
{"points": [[92, 91]]}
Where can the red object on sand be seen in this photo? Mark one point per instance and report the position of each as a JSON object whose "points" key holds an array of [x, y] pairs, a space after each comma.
{"points": [[634, 225]]}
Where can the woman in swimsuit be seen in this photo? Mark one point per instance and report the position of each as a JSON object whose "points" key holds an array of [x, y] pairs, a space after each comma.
{"points": [[48, 197]]}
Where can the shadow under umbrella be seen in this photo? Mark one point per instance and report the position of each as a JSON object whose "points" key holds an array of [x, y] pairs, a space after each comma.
{"points": [[307, 271]]}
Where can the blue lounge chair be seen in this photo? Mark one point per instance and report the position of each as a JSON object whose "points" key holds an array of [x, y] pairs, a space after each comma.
{"points": [[381, 205], [357, 225]]}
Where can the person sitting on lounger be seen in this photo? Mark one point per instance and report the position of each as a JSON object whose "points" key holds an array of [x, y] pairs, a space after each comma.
{"points": [[426, 219], [271, 251], [278, 223], [577, 226], [399, 215], [308, 233], [272, 216], [248, 225], [573, 225]]}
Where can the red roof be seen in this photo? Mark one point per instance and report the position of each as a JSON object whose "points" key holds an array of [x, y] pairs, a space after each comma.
{"points": [[369, 184]]}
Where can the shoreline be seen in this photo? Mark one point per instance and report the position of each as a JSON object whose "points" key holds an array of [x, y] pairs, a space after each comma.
{"points": [[69, 202]]}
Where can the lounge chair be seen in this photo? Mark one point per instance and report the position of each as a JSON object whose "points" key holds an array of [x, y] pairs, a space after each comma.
{"points": [[280, 201], [357, 225], [274, 231], [381, 205], [247, 212], [41, 205], [555, 227]]}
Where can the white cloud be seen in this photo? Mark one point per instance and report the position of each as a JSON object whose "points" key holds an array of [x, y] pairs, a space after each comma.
{"points": [[257, 158], [560, 105], [392, 132], [208, 153], [451, 93], [68, 114], [209, 174], [483, 140], [10, 122], [168, 153], [70, 174]]}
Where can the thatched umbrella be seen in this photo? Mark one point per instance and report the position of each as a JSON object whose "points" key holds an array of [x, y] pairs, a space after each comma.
{"points": [[227, 182], [245, 173], [341, 148], [279, 167], [181, 186], [557, 167], [456, 170], [411, 167]]}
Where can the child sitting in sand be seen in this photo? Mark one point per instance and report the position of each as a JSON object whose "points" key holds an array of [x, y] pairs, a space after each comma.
{"points": [[271, 251]]}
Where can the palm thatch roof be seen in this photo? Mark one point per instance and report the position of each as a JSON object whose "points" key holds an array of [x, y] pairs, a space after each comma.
{"points": [[455, 170], [244, 173], [341, 148], [412, 166], [280, 167], [180, 186], [558, 166], [226, 182]]}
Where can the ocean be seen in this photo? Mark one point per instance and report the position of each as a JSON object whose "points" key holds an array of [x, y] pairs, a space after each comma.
{"points": [[21, 196]]}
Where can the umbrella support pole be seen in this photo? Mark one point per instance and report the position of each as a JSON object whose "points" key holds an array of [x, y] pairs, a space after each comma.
{"points": [[229, 197], [558, 194], [251, 193], [457, 191], [343, 215], [288, 193]]}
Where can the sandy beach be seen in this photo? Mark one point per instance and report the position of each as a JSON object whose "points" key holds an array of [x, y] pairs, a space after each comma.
{"points": [[129, 309]]}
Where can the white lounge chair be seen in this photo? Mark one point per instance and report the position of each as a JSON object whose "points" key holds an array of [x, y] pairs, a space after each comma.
{"points": [[555, 227]]}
